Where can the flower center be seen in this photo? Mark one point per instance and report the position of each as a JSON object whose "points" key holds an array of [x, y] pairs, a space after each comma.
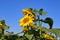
{"points": [[26, 20]]}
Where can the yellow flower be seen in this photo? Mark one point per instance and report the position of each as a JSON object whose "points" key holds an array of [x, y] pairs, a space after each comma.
{"points": [[24, 29], [26, 20], [0, 24], [47, 36], [0, 30], [27, 12], [52, 38]]}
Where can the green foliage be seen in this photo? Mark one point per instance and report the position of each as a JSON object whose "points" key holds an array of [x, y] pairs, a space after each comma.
{"points": [[2, 22], [36, 33], [49, 21], [55, 31], [41, 11]]}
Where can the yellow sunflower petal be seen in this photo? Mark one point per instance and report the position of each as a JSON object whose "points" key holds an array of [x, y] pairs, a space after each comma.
{"points": [[26, 11]]}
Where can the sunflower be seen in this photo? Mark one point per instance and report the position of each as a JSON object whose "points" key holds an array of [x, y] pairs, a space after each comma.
{"points": [[27, 12], [47, 36], [26, 20]]}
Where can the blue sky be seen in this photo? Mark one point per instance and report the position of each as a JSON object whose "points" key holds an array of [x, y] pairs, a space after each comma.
{"points": [[11, 11]]}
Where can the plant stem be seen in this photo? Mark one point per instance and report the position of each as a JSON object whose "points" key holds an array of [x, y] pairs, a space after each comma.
{"points": [[38, 20], [2, 33], [39, 24]]}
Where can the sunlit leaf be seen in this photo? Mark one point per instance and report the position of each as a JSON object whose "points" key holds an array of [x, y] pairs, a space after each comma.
{"points": [[6, 27], [29, 36], [41, 11], [44, 13], [55, 31]]}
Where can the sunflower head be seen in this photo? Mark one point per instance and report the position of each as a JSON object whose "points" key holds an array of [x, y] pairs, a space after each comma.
{"points": [[26, 20]]}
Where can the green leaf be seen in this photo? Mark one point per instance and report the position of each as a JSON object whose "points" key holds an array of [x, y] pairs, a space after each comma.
{"points": [[3, 22], [49, 21], [29, 36], [19, 32], [0, 30], [55, 31], [44, 13], [6, 27], [41, 11], [36, 11]]}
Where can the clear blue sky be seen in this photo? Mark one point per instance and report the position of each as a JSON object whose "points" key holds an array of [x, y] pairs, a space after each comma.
{"points": [[11, 11]]}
